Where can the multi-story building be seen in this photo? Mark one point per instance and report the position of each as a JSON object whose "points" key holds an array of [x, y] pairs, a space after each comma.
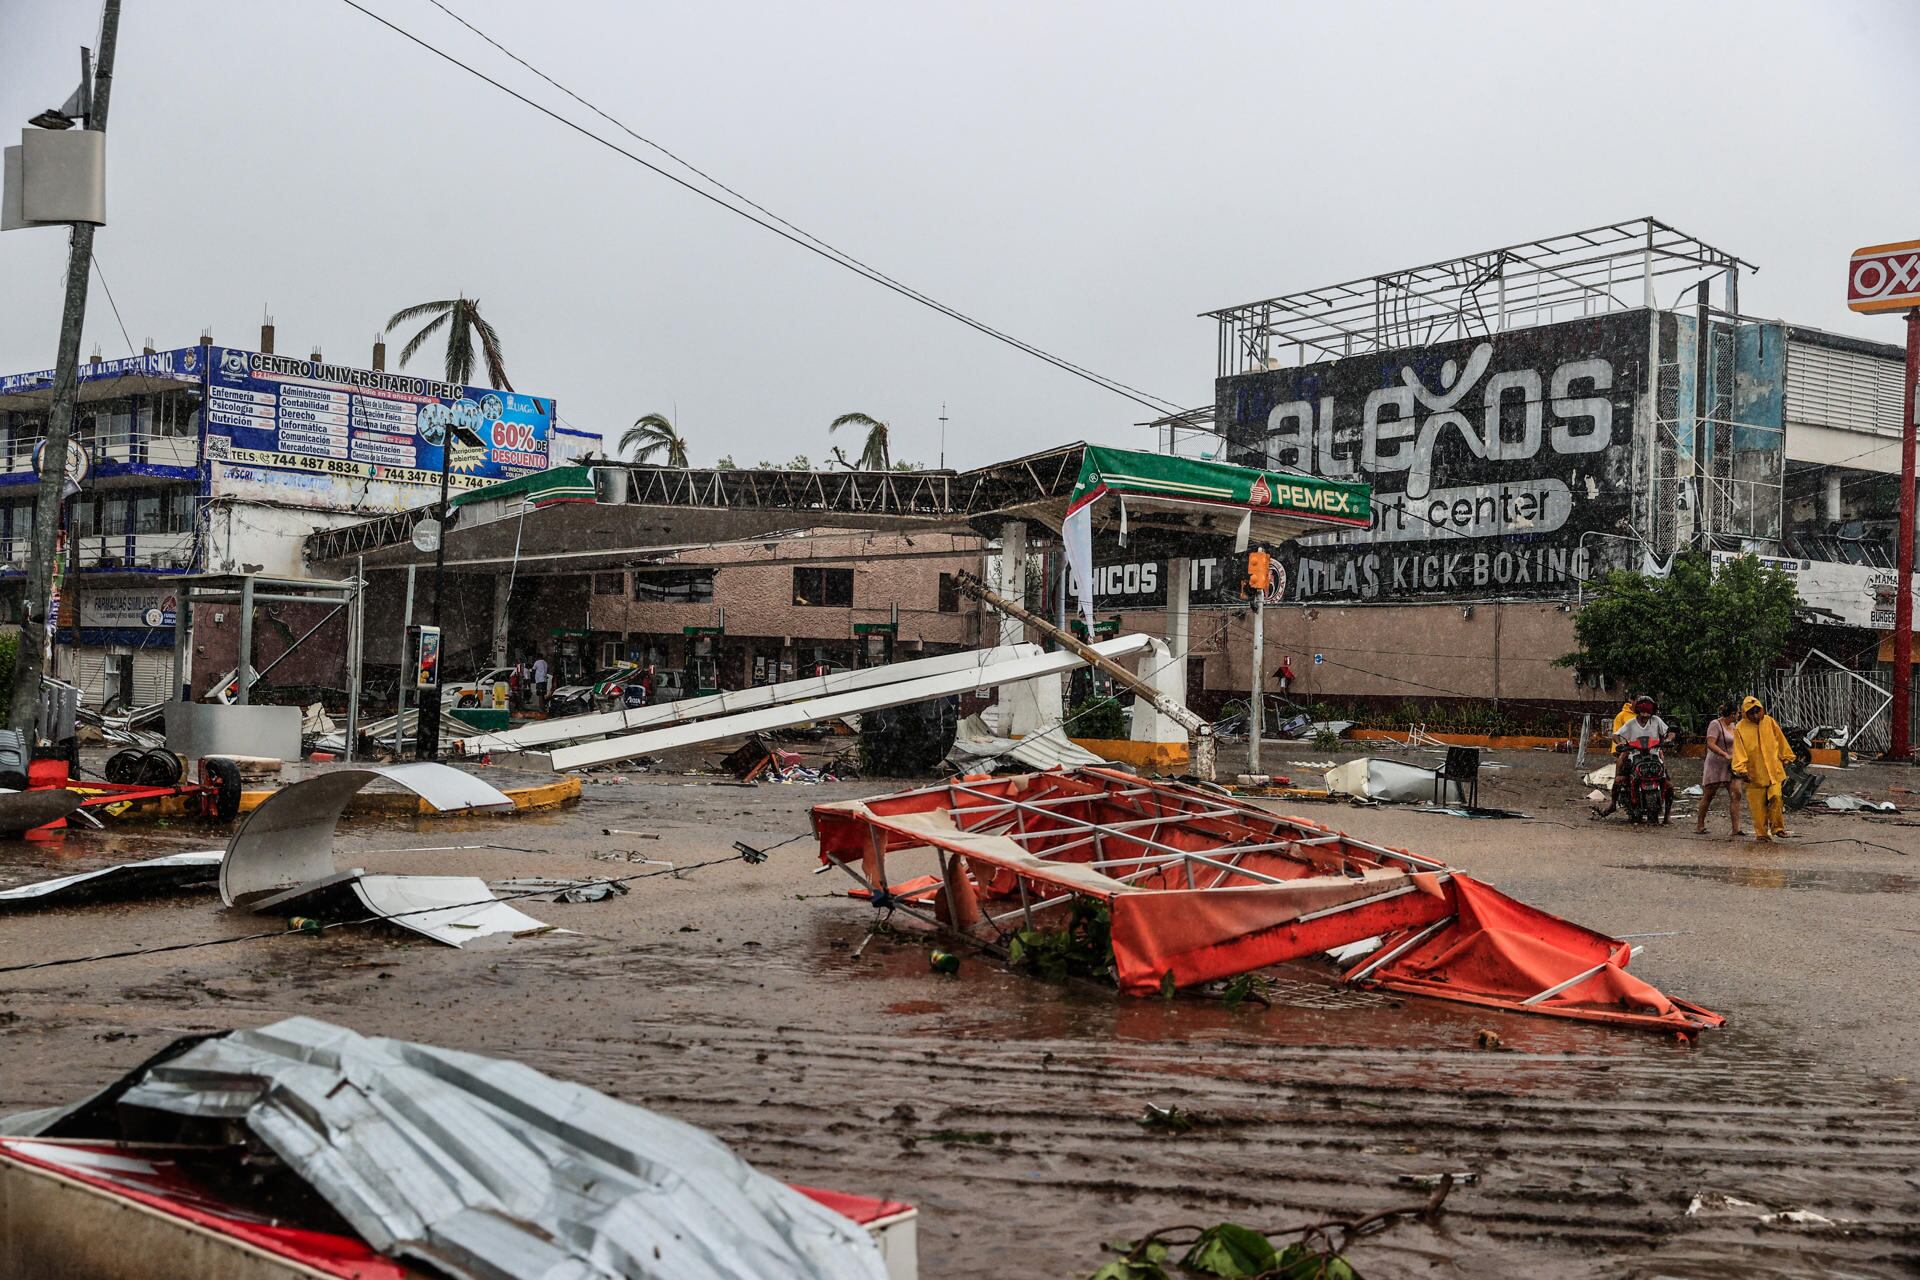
{"points": [[217, 459]]}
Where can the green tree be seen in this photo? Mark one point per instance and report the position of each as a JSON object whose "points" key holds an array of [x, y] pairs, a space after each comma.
{"points": [[654, 435], [464, 323], [876, 454], [1700, 636]]}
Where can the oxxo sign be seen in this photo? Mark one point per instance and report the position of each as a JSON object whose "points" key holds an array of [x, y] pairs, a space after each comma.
{"points": [[1885, 277]]}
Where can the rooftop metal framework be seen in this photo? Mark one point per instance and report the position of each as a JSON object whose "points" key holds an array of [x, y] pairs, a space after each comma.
{"points": [[1608, 268]]}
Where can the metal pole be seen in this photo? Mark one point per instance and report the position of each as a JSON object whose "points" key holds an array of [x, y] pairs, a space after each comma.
{"points": [[1257, 703], [356, 651], [400, 690], [182, 604], [243, 678], [1901, 747], [1200, 730], [30, 658], [426, 738]]}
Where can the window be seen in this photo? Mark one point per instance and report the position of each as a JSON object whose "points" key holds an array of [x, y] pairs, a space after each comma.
{"points": [[949, 593], [147, 513], [609, 584], [831, 588], [173, 413], [674, 586], [113, 517], [83, 517], [182, 505]]}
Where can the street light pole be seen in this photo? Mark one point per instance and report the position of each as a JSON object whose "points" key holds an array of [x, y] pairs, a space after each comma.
{"points": [[426, 738], [30, 657]]}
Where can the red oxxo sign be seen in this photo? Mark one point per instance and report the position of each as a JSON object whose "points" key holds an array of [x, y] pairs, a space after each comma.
{"points": [[1885, 277]]}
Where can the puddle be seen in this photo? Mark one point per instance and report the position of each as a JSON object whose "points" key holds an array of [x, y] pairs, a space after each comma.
{"points": [[1831, 879]]}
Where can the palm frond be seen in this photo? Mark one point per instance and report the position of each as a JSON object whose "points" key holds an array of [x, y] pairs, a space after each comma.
{"points": [[405, 314], [459, 352], [854, 420], [490, 348], [413, 344]]}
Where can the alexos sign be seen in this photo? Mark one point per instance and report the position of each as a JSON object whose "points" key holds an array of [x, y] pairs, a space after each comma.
{"points": [[1885, 277]]}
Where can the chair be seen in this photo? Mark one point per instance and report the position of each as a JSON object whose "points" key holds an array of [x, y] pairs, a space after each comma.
{"points": [[1462, 766]]}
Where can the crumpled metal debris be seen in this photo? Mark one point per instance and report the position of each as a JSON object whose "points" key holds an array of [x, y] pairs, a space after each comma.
{"points": [[1858, 804], [481, 1168], [555, 890], [174, 872]]}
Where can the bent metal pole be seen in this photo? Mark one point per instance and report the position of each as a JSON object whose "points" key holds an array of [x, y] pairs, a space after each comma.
{"points": [[1201, 730]]}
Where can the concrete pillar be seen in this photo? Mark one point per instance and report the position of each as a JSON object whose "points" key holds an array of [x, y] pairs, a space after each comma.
{"points": [[1833, 496], [380, 353], [1173, 681], [1032, 705], [502, 585], [266, 336]]}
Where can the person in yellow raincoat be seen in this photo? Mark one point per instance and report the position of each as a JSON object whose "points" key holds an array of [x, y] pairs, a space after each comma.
{"points": [[1761, 756], [1625, 714]]}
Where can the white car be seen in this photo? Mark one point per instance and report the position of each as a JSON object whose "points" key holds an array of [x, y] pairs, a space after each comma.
{"points": [[477, 692]]}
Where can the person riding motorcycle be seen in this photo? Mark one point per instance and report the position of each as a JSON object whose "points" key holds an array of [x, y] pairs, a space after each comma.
{"points": [[1644, 727]]}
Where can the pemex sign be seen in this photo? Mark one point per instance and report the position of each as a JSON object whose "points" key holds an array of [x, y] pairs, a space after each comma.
{"points": [[1884, 277]]}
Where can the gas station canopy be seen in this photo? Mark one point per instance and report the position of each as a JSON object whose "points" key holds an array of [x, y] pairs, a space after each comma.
{"points": [[610, 514]]}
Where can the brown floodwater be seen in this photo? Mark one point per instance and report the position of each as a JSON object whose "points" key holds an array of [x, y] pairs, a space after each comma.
{"points": [[1009, 1108]]}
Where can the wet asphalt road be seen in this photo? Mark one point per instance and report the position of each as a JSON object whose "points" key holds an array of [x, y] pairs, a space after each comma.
{"points": [[1006, 1107]]}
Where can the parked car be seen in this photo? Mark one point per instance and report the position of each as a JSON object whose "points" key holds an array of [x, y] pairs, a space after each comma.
{"points": [[604, 690], [669, 685], [477, 692]]}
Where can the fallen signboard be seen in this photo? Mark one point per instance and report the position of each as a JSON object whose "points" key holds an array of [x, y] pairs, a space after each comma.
{"points": [[1198, 887]]}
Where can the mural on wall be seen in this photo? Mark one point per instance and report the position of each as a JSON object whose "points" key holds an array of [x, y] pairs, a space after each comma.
{"points": [[1497, 463]]}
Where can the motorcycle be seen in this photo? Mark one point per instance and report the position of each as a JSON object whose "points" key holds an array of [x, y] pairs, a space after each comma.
{"points": [[1644, 788]]}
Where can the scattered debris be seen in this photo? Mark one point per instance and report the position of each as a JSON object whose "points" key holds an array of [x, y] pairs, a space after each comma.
{"points": [[1372, 778], [1714, 1204], [1165, 1119], [579, 891], [1857, 804], [445, 1161], [1190, 887], [172, 874], [281, 859], [976, 749]]}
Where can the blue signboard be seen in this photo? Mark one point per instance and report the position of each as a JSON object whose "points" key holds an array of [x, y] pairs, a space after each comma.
{"points": [[286, 414], [182, 365]]}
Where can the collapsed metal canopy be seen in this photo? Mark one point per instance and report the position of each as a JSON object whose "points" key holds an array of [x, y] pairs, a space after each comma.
{"points": [[554, 523]]}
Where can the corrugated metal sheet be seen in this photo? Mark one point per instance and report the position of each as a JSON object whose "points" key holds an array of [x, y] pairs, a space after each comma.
{"points": [[1847, 390], [487, 1169], [975, 747]]}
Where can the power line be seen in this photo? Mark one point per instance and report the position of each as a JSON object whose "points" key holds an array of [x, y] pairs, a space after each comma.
{"points": [[110, 302], [777, 226]]}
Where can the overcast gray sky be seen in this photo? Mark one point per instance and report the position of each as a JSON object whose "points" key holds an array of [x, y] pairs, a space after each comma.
{"points": [[1086, 176]]}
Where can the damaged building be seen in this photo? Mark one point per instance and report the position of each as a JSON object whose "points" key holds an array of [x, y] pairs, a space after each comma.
{"points": [[1529, 419]]}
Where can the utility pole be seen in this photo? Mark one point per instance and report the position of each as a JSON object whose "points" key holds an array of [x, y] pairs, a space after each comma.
{"points": [[30, 657], [1901, 748], [943, 435], [426, 740]]}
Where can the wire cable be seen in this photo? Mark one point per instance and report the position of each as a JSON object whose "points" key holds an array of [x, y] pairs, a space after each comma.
{"points": [[375, 919], [1157, 404], [111, 303]]}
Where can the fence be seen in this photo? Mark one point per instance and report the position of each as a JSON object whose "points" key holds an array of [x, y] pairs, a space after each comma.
{"points": [[1839, 700]]}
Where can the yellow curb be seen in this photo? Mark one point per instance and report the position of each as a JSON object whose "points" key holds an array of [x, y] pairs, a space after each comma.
{"points": [[545, 795], [1141, 755]]}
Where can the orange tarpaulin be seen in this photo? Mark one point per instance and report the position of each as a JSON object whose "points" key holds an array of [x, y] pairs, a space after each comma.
{"points": [[1200, 887]]}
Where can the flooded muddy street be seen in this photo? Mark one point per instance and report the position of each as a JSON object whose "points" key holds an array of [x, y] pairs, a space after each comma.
{"points": [[750, 1000]]}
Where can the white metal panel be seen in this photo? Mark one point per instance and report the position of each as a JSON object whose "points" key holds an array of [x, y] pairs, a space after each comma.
{"points": [[1845, 389], [88, 665], [828, 708]]}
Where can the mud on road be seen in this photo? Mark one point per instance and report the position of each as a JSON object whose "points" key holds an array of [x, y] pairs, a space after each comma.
{"points": [[1007, 1108]]}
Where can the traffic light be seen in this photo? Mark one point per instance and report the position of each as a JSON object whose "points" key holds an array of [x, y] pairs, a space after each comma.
{"points": [[1259, 572]]}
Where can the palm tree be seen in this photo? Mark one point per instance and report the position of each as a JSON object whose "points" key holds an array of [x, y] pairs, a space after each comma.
{"points": [[875, 454], [652, 435], [467, 321]]}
